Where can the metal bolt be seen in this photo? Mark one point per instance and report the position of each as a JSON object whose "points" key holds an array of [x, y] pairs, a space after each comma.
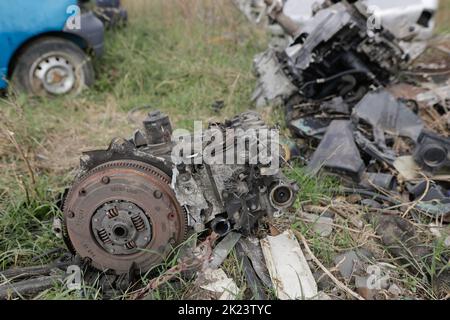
{"points": [[71, 214], [87, 260], [106, 180], [157, 194]]}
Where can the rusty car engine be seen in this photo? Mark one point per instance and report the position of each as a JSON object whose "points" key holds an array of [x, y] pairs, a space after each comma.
{"points": [[131, 204]]}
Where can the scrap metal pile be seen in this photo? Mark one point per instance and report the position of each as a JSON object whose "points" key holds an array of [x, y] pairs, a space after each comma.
{"points": [[368, 108], [340, 85], [412, 22]]}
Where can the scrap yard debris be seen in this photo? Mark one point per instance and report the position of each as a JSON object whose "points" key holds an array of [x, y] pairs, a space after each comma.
{"points": [[354, 118], [411, 22], [368, 106], [367, 102]]}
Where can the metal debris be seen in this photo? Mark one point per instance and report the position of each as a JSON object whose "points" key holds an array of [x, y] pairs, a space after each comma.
{"points": [[131, 205], [251, 276], [400, 238], [339, 89], [150, 202], [273, 86], [398, 235], [411, 22], [338, 153], [432, 152], [386, 114], [223, 249], [251, 248], [197, 261], [336, 54]]}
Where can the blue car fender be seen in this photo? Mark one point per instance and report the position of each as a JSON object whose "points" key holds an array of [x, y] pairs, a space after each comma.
{"points": [[22, 21]]}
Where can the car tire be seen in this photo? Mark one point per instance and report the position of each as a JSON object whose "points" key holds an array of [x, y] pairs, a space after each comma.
{"points": [[52, 66]]}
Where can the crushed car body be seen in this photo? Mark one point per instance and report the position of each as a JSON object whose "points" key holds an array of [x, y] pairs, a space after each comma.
{"points": [[336, 54], [410, 21]]}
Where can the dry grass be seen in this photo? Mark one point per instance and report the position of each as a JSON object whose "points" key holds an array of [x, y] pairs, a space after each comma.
{"points": [[443, 17]]}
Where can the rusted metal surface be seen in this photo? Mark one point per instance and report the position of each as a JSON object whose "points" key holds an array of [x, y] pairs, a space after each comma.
{"points": [[131, 204], [110, 237]]}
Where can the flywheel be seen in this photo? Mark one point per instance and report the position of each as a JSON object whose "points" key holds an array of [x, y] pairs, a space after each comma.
{"points": [[122, 215]]}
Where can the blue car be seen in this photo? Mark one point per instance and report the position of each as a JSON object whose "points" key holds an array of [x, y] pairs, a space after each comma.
{"points": [[46, 46]]}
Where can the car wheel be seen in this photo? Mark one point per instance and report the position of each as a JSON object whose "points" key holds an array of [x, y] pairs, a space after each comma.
{"points": [[52, 66]]}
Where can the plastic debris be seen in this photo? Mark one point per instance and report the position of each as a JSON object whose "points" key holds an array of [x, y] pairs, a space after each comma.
{"points": [[288, 268], [217, 281]]}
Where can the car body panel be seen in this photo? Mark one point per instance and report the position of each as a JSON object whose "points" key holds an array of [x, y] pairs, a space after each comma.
{"points": [[25, 20]]}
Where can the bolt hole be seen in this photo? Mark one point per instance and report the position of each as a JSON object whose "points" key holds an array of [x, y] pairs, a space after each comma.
{"points": [[120, 231]]}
